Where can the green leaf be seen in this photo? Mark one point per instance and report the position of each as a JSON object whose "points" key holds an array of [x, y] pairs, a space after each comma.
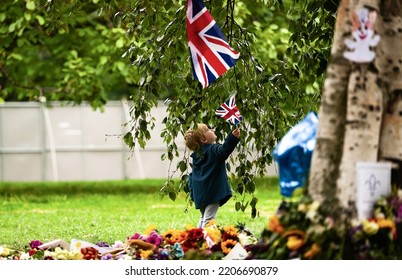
{"points": [[172, 196], [182, 166], [40, 19], [128, 139], [30, 5], [103, 60], [120, 43]]}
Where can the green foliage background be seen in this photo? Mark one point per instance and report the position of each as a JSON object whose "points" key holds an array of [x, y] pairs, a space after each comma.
{"points": [[76, 51]]}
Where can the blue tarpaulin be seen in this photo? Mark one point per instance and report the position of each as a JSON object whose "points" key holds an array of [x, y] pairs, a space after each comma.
{"points": [[293, 154]]}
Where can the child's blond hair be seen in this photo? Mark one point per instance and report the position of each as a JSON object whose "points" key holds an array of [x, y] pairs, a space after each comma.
{"points": [[194, 137]]}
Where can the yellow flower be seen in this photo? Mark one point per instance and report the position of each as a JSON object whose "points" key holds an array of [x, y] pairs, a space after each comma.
{"points": [[294, 243], [211, 223], [204, 246], [214, 233], [145, 254], [4, 251], [227, 245], [149, 229], [188, 227], [295, 239], [314, 250], [370, 228]]}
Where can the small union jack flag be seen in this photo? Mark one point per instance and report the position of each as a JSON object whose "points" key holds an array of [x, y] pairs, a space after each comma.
{"points": [[229, 111], [211, 55]]}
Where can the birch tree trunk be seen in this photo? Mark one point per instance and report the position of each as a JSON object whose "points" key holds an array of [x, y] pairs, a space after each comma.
{"points": [[360, 117]]}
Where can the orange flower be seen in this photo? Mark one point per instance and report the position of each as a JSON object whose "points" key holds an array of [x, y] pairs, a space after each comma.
{"points": [[230, 230], [314, 250], [227, 245], [295, 239], [385, 223], [173, 236], [183, 235], [294, 232], [275, 225]]}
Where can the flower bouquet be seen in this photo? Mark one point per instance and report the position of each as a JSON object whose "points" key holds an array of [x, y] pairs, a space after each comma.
{"points": [[211, 242]]}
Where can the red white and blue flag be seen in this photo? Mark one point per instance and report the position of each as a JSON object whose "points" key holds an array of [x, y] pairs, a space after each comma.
{"points": [[211, 55], [229, 111]]}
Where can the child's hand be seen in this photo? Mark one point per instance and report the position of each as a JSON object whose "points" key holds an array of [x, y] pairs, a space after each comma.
{"points": [[236, 132]]}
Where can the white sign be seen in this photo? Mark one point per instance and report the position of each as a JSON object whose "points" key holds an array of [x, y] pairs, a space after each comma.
{"points": [[373, 180]]}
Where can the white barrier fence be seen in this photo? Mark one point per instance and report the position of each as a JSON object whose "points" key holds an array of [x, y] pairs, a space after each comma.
{"points": [[69, 143]]}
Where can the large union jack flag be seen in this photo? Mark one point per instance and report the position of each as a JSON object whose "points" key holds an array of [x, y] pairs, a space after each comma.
{"points": [[229, 111], [211, 55]]}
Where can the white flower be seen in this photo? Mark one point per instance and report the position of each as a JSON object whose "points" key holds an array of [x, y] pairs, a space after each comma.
{"points": [[355, 223], [75, 255], [312, 213], [314, 206], [302, 208], [25, 256], [48, 254], [245, 239], [125, 258], [118, 244], [399, 193]]}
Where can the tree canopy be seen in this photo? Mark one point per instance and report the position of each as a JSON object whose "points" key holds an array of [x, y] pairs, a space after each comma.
{"points": [[84, 50]]}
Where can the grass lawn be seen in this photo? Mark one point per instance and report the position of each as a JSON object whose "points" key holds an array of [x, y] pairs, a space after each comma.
{"points": [[109, 210]]}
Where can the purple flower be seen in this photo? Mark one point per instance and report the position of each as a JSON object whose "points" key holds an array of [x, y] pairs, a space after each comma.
{"points": [[35, 244], [154, 238], [106, 257], [399, 213], [102, 244], [163, 254], [139, 236]]}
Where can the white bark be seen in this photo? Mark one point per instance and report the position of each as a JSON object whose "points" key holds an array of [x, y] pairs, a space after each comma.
{"points": [[360, 117]]}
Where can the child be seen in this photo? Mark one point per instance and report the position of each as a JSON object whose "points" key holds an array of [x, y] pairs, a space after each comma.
{"points": [[208, 183]]}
